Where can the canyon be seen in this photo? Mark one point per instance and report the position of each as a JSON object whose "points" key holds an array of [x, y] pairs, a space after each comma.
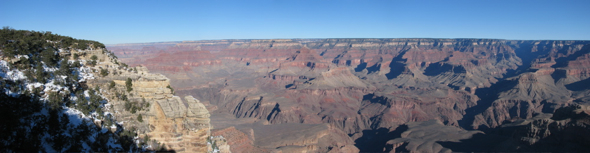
{"points": [[377, 95]]}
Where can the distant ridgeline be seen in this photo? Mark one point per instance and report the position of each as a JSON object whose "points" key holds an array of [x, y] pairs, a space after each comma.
{"points": [[45, 104]]}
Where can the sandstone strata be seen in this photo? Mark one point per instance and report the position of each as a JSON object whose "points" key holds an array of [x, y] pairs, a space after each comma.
{"points": [[369, 84], [179, 125]]}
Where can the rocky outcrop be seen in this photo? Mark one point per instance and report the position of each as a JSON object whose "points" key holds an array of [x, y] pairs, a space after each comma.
{"points": [[568, 129], [151, 108], [185, 129], [564, 131], [291, 137], [238, 141], [426, 137]]}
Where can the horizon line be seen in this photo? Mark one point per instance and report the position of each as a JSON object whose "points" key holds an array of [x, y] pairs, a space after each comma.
{"points": [[180, 41]]}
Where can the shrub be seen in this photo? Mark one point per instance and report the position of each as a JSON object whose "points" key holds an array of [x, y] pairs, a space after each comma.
{"points": [[127, 105], [49, 57], [111, 84], [64, 67], [133, 108], [104, 72], [91, 63], [40, 74], [139, 118], [76, 64], [171, 89], [129, 84]]}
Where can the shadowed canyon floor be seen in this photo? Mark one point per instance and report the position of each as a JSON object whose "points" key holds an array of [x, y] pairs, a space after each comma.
{"points": [[351, 95]]}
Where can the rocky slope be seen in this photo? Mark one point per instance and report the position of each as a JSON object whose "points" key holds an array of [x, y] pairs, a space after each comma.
{"points": [[372, 84], [564, 131], [179, 124], [90, 101]]}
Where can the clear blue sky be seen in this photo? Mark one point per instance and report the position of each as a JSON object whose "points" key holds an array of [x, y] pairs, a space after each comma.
{"points": [[130, 21]]}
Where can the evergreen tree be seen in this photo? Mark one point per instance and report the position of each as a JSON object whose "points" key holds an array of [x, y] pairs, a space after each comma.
{"points": [[129, 85], [40, 73], [139, 118], [111, 84]]}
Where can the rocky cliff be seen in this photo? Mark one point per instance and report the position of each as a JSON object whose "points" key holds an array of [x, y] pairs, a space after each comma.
{"points": [[371, 84], [564, 131], [60, 94], [177, 124]]}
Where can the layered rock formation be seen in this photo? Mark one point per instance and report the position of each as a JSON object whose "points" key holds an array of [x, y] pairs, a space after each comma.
{"points": [[425, 137], [564, 131], [151, 108], [369, 84]]}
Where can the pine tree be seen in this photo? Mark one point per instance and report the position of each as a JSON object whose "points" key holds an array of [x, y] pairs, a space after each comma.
{"points": [[129, 84], [111, 84], [140, 118]]}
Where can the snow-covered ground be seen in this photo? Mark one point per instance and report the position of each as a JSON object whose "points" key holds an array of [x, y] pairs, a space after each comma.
{"points": [[75, 117]]}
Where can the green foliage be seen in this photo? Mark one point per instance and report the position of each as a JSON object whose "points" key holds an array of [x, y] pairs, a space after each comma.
{"points": [[108, 121], [91, 63], [23, 63], [64, 68], [40, 74], [111, 84], [127, 105], [29, 74], [139, 118], [49, 57], [127, 139], [145, 104], [122, 97], [55, 100], [90, 104], [104, 72], [133, 108], [171, 89], [22, 42], [23, 128], [129, 84]]}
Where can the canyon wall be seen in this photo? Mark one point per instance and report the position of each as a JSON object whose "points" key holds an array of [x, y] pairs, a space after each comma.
{"points": [[370, 84], [150, 107]]}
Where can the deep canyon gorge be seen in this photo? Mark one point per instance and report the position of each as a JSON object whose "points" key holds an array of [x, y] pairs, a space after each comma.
{"points": [[375, 95]]}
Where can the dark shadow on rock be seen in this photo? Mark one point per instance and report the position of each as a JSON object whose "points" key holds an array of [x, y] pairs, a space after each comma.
{"points": [[558, 74], [374, 68], [360, 67], [579, 86], [523, 51], [477, 143], [166, 150], [376, 99], [397, 66], [275, 111], [438, 68], [487, 97], [376, 140], [289, 85]]}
